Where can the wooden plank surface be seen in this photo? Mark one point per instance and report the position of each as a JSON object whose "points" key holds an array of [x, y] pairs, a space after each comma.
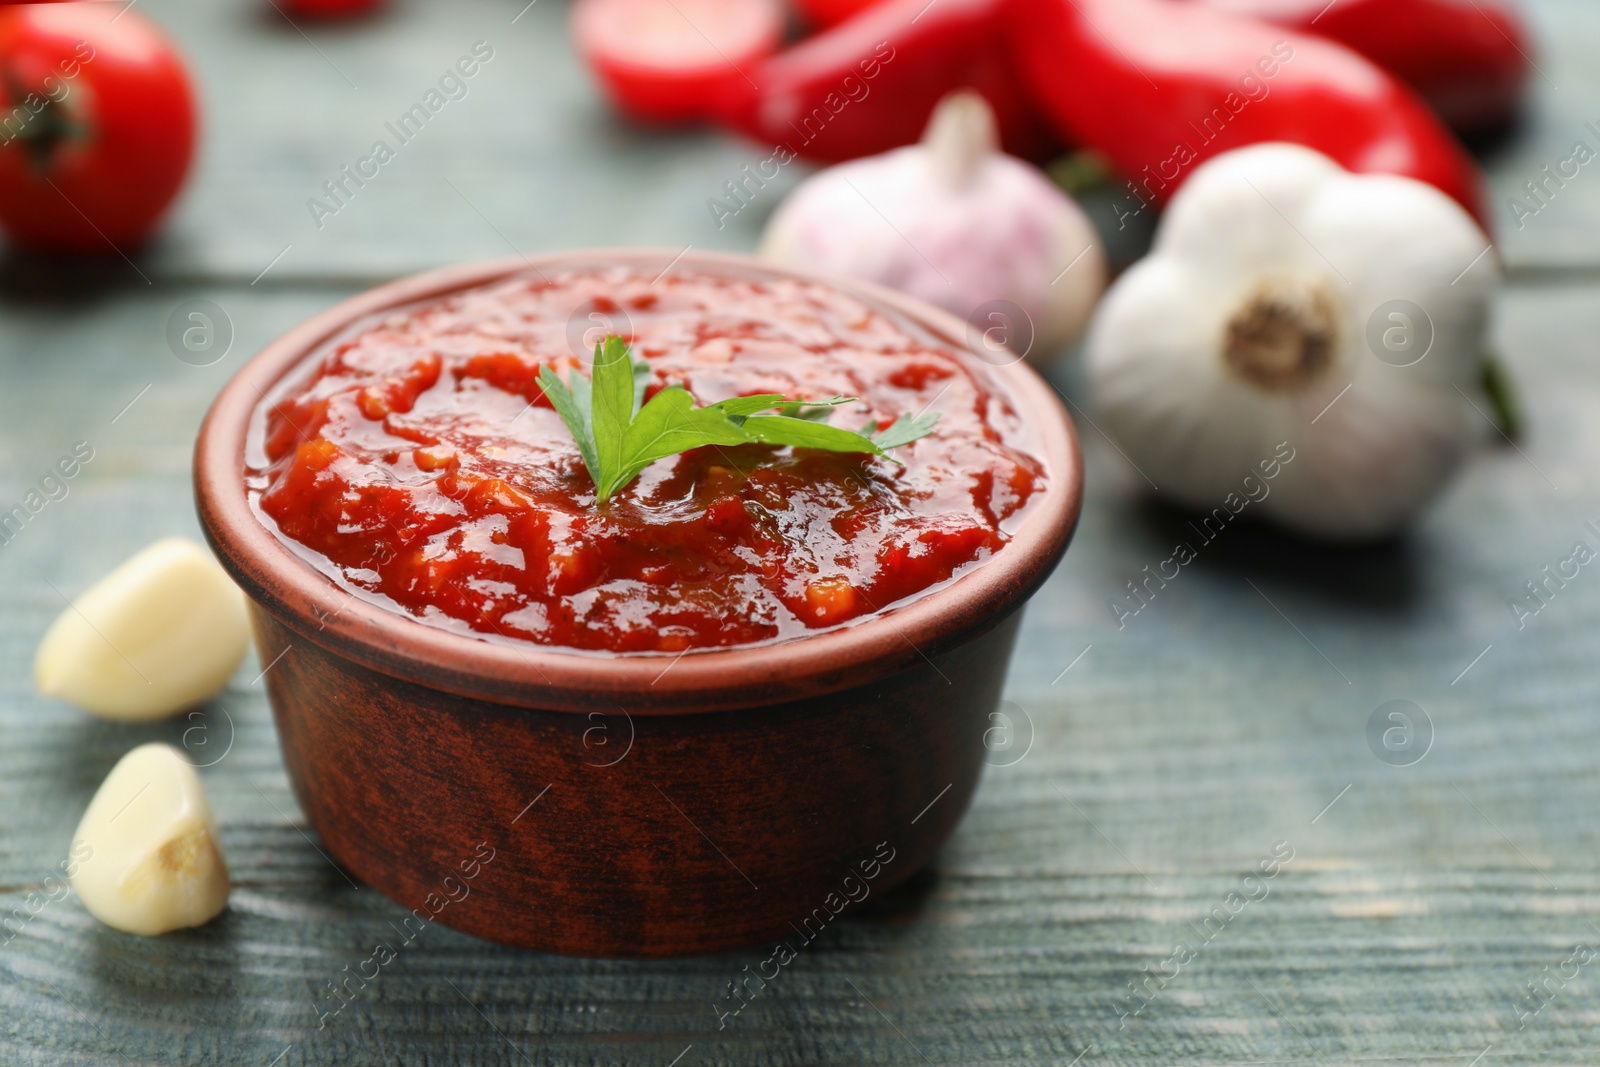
{"points": [[1159, 770]]}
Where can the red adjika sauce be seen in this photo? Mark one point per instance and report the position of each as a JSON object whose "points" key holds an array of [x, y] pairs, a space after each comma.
{"points": [[418, 464]]}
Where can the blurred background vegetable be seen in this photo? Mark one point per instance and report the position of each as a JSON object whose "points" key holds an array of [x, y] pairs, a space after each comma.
{"points": [[1290, 301], [1467, 58], [98, 126], [668, 61], [962, 226], [820, 14], [870, 84], [328, 9], [1157, 86]]}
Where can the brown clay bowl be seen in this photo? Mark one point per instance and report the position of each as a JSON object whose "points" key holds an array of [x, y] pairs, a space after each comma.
{"points": [[627, 805]]}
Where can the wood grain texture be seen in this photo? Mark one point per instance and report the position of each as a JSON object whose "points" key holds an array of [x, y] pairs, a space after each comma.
{"points": [[1164, 765]]}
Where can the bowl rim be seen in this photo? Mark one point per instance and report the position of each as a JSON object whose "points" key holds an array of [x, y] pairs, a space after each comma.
{"points": [[524, 674]]}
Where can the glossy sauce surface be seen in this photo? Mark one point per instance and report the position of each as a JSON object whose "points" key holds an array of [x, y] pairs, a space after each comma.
{"points": [[416, 462]]}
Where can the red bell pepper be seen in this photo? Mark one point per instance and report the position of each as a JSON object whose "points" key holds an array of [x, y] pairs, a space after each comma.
{"points": [[1157, 86], [871, 83], [1469, 59]]}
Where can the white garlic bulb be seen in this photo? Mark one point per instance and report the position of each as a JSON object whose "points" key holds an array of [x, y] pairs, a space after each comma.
{"points": [[151, 861], [957, 223], [1288, 300], [160, 633]]}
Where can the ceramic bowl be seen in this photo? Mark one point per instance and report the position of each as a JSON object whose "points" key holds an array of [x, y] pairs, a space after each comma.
{"points": [[628, 805]]}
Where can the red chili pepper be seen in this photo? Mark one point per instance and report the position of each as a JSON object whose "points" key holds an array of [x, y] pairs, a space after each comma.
{"points": [[665, 61], [871, 83], [824, 13], [1157, 86], [1467, 58]]}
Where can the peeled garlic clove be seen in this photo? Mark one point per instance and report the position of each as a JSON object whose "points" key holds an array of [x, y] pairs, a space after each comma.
{"points": [[160, 633], [152, 862]]}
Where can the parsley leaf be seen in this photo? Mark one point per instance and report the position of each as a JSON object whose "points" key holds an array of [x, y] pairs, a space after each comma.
{"points": [[572, 404], [804, 433], [618, 435], [905, 429], [669, 424]]}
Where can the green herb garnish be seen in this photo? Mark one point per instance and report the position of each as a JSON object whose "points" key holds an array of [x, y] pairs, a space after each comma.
{"points": [[619, 436]]}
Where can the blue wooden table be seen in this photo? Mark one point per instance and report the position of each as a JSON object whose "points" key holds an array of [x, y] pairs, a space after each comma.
{"points": [[1151, 767]]}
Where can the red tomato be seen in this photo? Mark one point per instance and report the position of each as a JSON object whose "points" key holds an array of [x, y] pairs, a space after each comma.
{"points": [[329, 9], [664, 61], [97, 125]]}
